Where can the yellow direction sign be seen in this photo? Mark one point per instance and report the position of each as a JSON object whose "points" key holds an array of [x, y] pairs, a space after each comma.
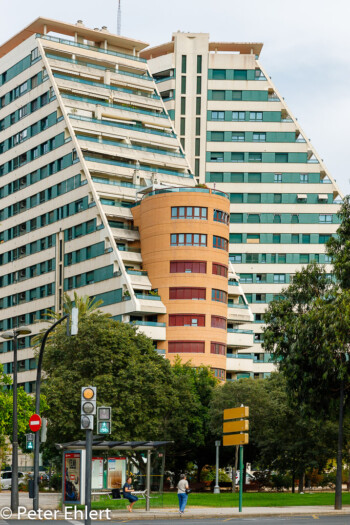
{"points": [[236, 426], [236, 413], [235, 439]]}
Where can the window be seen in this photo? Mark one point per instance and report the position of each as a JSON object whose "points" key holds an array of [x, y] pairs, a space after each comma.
{"points": [[236, 257], [235, 238], [194, 347], [217, 136], [186, 320], [252, 257], [237, 177], [295, 238], [218, 348], [304, 258], [221, 216], [322, 239], [238, 137], [220, 269], [218, 94], [305, 238], [254, 197], [182, 125], [253, 218], [218, 322], [218, 295], [189, 212], [187, 293], [236, 197], [277, 218], [240, 74], [260, 298], [199, 85], [237, 157], [261, 277], [238, 115], [183, 63], [294, 219], [279, 278], [246, 278], [219, 242], [198, 105], [188, 239], [255, 115], [327, 259], [188, 267], [236, 95], [254, 177], [199, 63], [276, 238], [259, 137], [218, 115], [281, 157], [216, 157], [183, 85], [34, 54], [219, 74], [327, 218], [304, 178], [22, 112], [255, 157]]}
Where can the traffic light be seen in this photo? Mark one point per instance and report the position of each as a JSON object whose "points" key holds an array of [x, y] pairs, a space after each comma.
{"points": [[104, 420], [30, 441], [88, 407]]}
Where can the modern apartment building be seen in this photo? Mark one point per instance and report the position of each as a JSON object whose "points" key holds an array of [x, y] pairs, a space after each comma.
{"points": [[96, 196], [240, 137]]}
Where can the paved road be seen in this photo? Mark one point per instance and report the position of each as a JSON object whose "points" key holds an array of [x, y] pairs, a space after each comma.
{"points": [[299, 520]]}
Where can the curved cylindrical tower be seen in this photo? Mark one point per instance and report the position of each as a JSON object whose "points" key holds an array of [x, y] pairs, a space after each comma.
{"points": [[184, 236]]}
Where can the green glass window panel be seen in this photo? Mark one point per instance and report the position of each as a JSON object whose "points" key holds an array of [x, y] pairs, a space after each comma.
{"points": [[323, 238], [183, 85], [182, 126], [277, 177], [240, 74], [277, 218], [236, 257], [218, 94], [304, 178], [219, 74], [252, 258], [199, 85], [256, 115], [196, 167], [236, 95], [183, 105], [236, 177], [216, 156], [304, 258], [237, 156], [198, 126], [294, 219], [217, 136], [255, 157], [183, 63], [295, 238], [197, 147], [281, 157], [216, 177], [306, 238], [236, 217], [259, 137], [315, 257], [277, 198], [238, 136], [236, 197], [218, 115], [199, 105], [276, 238], [254, 197], [282, 258], [182, 142], [255, 236], [235, 238], [253, 218], [238, 115], [254, 177], [199, 63], [246, 277]]}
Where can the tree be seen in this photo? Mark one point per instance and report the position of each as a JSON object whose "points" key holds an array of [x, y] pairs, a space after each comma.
{"points": [[307, 331]]}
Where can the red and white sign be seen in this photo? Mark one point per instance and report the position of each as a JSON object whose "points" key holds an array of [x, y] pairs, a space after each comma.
{"points": [[35, 423]]}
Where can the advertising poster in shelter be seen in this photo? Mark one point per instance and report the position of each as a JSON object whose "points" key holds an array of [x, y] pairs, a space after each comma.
{"points": [[116, 472], [72, 476], [97, 473]]}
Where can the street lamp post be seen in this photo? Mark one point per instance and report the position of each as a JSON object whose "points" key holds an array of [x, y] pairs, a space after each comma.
{"points": [[217, 488], [13, 334]]}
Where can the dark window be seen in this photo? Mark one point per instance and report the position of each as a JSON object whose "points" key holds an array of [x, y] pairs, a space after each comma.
{"points": [[189, 212], [219, 295], [188, 267], [218, 322], [187, 293], [221, 216], [186, 320], [220, 242], [218, 348], [175, 347], [220, 269]]}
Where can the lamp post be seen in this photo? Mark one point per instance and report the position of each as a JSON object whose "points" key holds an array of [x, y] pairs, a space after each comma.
{"points": [[13, 334], [217, 488]]}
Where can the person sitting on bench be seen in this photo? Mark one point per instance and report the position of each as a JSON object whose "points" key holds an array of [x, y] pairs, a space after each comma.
{"points": [[127, 494]]}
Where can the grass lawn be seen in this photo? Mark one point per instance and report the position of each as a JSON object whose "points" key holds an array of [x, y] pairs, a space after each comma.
{"points": [[272, 499]]}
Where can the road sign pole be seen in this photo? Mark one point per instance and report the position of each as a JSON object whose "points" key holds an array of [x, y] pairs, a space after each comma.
{"points": [[217, 487], [240, 477], [88, 474]]}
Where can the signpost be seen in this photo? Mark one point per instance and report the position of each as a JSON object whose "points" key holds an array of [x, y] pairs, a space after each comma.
{"points": [[235, 433]]}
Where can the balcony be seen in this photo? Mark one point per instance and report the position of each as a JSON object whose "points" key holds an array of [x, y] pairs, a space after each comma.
{"points": [[156, 331], [240, 338], [239, 312], [239, 363]]}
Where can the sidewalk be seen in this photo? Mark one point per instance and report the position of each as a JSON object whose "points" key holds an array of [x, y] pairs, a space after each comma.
{"points": [[51, 501]]}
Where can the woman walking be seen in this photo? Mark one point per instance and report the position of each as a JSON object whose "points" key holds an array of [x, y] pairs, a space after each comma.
{"points": [[182, 494]]}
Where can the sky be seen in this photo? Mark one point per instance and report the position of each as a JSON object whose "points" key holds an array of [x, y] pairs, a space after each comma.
{"points": [[305, 49]]}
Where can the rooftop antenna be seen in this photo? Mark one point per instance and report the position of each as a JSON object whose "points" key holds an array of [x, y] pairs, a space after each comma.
{"points": [[119, 18]]}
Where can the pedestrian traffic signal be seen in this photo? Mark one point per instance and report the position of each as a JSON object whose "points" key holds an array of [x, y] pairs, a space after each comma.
{"points": [[30, 441], [104, 420]]}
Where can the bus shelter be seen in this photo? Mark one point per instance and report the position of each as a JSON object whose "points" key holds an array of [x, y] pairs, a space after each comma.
{"points": [[73, 472]]}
